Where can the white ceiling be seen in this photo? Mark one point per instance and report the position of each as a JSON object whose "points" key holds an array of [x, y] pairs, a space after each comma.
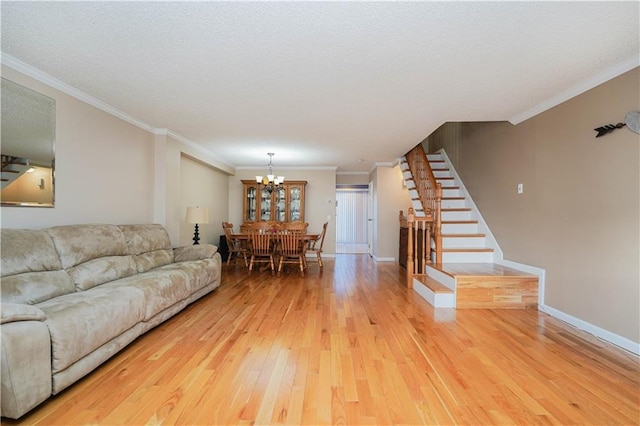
{"points": [[322, 83]]}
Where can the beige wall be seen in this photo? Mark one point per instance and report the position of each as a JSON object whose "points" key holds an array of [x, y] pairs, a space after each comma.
{"points": [[104, 167], [202, 185], [389, 197], [352, 178], [320, 198], [578, 217]]}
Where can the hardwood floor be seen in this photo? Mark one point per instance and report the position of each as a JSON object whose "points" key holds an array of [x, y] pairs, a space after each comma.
{"points": [[351, 345]]}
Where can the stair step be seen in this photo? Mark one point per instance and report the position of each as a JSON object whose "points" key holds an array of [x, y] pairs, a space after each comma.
{"points": [[455, 215], [461, 209], [463, 235], [467, 256], [459, 222], [444, 177], [467, 250], [432, 284]]}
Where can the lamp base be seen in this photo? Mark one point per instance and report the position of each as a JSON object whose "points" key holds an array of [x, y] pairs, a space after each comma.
{"points": [[196, 236]]}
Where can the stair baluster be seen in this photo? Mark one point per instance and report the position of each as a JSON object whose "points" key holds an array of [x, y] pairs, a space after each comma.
{"points": [[430, 194]]}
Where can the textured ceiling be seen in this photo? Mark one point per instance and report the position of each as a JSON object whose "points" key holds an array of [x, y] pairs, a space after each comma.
{"points": [[319, 83]]}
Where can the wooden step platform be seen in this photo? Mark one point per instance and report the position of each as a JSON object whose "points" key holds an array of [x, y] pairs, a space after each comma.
{"points": [[491, 286], [432, 284]]}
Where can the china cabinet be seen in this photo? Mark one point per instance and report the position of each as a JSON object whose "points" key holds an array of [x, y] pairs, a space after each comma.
{"points": [[284, 204]]}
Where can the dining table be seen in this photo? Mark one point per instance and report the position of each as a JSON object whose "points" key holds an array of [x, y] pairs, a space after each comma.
{"points": [[306, 238]]}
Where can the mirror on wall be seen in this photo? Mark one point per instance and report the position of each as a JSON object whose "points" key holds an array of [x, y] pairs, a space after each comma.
{"points": [[28, 129]]}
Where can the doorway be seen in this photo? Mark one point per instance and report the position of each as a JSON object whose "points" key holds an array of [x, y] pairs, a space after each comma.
{"points": [[352, 215]]}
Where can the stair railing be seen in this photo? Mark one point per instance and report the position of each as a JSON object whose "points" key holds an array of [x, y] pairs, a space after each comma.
{"points": [[415, 243], [430, 193]]}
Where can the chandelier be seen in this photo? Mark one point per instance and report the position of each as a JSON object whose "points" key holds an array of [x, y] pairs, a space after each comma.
{"points": [[270, 181]]}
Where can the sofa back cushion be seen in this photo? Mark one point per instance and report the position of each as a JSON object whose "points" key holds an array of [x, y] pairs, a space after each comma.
{"points": [[31, 269], [149, 244], [92, 254]]}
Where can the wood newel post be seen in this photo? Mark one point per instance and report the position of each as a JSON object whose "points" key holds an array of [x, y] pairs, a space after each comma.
{"points": [[438, 228], [410, 248]]}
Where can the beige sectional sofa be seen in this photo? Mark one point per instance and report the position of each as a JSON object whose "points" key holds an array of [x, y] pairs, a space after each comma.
{"points": [[73, 296]]}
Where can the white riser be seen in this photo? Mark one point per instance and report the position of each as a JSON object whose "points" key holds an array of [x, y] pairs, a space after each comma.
{"points": [[441, 173], [465, 215], [413, 193], [410, 184], [453, 204], [434, 157], [463, 242], [483, 257], [460, 228], [447, 183], [441, 277], [437, 300], [450, 192], [406, 174]]}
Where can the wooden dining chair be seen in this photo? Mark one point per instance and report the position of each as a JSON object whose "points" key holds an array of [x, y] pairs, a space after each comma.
{"points": [[260, 247], [291, 249], [236, 246], [315, 246]]}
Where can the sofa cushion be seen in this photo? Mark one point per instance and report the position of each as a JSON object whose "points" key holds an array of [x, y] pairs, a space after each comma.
{"points": [[162, 288], [149, 244], [13, 312], [26, 250], [98, 271], [83, 321], [195, 252], [200, 272], [31, 269], [36, 287], [92, 254]]}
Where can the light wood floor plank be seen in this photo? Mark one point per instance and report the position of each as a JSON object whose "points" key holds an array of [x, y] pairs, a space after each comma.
{"points": [[351, 345]]}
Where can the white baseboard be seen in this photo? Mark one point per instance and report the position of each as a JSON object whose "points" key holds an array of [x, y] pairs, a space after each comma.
{"points": [[622, 342], [384, 259]]}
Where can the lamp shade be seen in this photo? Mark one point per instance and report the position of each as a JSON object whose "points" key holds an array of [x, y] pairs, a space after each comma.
{"points": [[197, 215]]}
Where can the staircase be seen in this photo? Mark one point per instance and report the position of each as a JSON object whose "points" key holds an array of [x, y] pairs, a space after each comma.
{"points": [[468, 275], [12, 169], [461, 240]]}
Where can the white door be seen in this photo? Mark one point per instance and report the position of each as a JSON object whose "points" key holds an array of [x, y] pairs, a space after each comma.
{"points": [[352, 220]]}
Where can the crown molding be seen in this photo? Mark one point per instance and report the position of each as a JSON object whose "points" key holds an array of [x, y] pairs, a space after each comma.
{"points": [[353, 173], [389, 164], [45, 78], [333, 168], [578, 89], [217, 161]]}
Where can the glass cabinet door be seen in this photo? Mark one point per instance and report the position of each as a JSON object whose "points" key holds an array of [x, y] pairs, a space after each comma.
{"points": [[250, 212], [280, 206], [265, 205], [295, 199]]}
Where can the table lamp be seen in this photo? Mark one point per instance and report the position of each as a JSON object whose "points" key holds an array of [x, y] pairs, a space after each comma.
{"points": [[197, 215]]}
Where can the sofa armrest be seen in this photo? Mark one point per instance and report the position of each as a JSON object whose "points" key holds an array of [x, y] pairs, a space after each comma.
{"points": [[196, 252], [12, 312], [25, 360]]}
